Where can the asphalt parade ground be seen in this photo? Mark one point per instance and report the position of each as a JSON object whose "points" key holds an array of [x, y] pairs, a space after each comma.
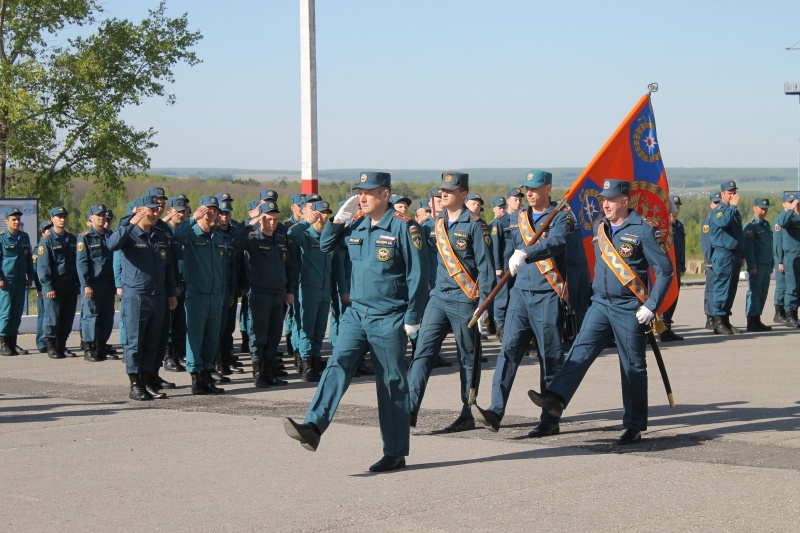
{"points": [[76, 455]]}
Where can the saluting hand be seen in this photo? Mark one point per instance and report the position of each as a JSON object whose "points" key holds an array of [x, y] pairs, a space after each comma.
{"points": [[139, 214], [200, 213]]}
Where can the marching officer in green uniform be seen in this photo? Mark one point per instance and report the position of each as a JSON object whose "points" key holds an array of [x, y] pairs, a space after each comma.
{"points": [[780, 277], [206, 273], [58, 275], [535, 308], [623, 307], [758, 261], [787, 236], [465, 277], [727, 244], [388, 291], [272, 287], [16, 275], [96, 275]]}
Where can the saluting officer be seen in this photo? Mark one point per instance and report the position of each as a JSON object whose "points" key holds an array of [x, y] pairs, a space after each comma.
{"points": [[96, 275], [388, 290], [705, 246], [759, 263], [787, 237], [225, 361], [314, 287], [272, 287], [534, 308], [148, 290], [622, 308], [58, 275], [727, 243], [177, 210], [206, 274], [16, 275], [465, 278]]}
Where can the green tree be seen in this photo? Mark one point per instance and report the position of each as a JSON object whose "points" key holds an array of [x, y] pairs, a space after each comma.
{"points": [[60, 105]]}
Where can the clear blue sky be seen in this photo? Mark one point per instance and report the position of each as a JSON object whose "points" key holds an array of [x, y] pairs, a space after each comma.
{"points": [[446, 84]]}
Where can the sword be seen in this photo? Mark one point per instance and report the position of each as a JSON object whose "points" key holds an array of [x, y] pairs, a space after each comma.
{"points": [[657, 327]]}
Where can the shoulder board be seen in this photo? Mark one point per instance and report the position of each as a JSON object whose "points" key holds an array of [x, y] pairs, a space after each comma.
{"points": [[2, 232], [473, 216], [292, 226], [401, 216], [649, 222], [85, 233]]}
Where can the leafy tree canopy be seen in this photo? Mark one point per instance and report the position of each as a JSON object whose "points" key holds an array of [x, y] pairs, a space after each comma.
{"points": [[60, 106]]}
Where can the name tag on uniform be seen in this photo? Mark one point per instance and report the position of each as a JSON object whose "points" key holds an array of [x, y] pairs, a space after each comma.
{"points": [[10, 247], [389, 237], [462, 234], [353, 240], [140, 245], [199, 243], [315, 245], [633, 239], [384, 242], [94, 246], [265, 248]]}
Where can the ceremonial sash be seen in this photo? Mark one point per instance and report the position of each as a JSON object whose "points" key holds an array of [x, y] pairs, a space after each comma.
{"points": [[546, 266], [454, 267], [620, 268]]}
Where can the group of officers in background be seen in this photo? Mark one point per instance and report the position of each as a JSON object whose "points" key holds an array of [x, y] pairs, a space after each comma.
{"points": [[384, 279]]}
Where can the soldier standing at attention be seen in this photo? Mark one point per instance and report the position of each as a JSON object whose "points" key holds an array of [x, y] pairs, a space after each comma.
{"points": [[44, 231], [787, 235], [465, 277], [96, 274], [148, 289], [206, 272], [705, 246], [534, 308], [758, 260], [388, 291], [727, 243], [622, 308], [272, 287], [58, 275], [176, 347], [16, 275], [679, 244], [780, 277], [225, 361]]}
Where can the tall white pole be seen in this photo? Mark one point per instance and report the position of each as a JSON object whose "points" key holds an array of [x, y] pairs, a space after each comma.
{"points": [[308, 98]]}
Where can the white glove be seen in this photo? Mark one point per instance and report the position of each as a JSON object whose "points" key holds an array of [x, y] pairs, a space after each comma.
{"points": [[644, 315], [410, 330], [517, 261], [346, 212]]}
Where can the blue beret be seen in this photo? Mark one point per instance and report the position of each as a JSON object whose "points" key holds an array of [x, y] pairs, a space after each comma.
{"points": [[373, 180], [537, 178], [727, 186], [58, 211], [453, 180], [614, 188]]}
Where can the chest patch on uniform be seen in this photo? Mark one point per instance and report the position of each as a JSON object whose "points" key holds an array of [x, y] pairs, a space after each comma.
{"points": [[384, 254], [416, 240], [384, 242], [487, 239], [706, 228], [41, 248], [412, 229], [719, 214], [163, 253], [777, 228], [494, 231], [80, 246], [570, 224], [625, 249], [26, 251], [749, 233], [353, 240], [461, 244], [200, 243]]}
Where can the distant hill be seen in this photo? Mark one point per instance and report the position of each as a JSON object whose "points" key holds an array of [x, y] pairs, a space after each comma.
{"points": [[681, 180]]}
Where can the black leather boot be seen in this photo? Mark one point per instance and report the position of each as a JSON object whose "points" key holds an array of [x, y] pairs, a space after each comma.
{"points": [[150, 385], [12, 343], [734, 329], [244, 347], [792, 320], [222, 366], [289, 347], [52, 349], [500, 330], [217, 375], [709, 322], [230, 361], [308, 373], [138, 392], [162, 383], [62, 345], [268, 370], [208, 382], [764, 327], [4, 349], [780, 315], [258, 375], [198, 388], [720, 327], [109, 352], [91, 352]]}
